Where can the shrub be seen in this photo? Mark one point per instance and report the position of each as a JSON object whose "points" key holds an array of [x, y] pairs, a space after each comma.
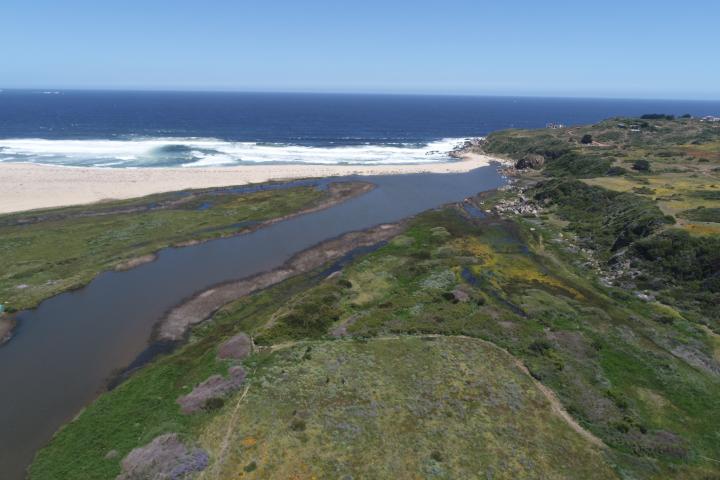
{"points": [[615, 172], [297, 425], [702, 214], [214, 404], [644, 190], [540, 346], [679, 255], [421, 255], [517, 147], [611, 220], [657, 116], [641, 165], [573, 164], [586, 139]]}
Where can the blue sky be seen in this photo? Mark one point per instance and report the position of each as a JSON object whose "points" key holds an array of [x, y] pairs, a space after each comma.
{"points": [[641, 48]]}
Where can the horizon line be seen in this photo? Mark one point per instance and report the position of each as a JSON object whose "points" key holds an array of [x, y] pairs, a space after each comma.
{"points": [[352, 93]]}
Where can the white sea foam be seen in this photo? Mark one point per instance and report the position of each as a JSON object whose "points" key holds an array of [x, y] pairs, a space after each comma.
{"points": [[201, 152]]}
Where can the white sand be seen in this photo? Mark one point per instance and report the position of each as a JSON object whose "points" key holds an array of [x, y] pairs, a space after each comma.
{"points": [[27, 186]]}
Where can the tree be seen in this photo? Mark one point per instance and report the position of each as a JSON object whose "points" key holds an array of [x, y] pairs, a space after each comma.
{"points": [[641, 165], [586, 139]]}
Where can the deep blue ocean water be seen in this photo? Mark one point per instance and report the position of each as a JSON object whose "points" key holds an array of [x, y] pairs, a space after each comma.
{"points": [[120, 129]]}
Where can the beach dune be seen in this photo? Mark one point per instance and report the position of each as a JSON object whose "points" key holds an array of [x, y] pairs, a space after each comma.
{"points": [[28, 186]]}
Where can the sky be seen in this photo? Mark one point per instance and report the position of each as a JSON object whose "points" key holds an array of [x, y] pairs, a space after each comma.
{"points": [[629, 49]]}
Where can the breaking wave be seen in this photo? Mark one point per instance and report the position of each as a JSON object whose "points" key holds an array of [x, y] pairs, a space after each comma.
{"points": [[209, 152]]}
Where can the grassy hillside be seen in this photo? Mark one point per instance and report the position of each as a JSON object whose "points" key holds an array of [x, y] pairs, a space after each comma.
{"points": [[398, 407], [650, 214]]}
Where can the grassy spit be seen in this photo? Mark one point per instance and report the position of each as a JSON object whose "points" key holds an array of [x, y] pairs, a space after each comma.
{"points": [[50, 251]]}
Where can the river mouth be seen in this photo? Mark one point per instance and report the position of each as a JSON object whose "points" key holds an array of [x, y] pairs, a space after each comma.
{"points": [[65, 350]]}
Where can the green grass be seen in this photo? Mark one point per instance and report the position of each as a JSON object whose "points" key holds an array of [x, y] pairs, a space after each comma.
{"points": [[395, 408], [703, 214], [63, 249]]}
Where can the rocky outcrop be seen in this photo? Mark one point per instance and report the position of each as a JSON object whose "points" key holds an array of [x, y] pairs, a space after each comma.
{"points": [[460, 295], [531, 160]]}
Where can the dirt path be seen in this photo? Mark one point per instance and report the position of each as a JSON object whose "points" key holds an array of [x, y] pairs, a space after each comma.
{"points": [[217, 464], [557, 406]]}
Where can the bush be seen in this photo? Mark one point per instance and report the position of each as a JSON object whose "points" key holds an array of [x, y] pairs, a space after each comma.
{"points": [[611, 220], [586, 139], [297, 425], [214, 404], [615, 172], [702, 214], [540, 346], [517, 147], [644, 190], [657, 116], [678, 254], [641, 166], [572, 164]]}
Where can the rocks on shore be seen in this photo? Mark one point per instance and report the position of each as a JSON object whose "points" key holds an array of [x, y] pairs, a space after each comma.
{"points": [[7, 325], [531, 160], [472, 145], [166, 458], [520, 205]]}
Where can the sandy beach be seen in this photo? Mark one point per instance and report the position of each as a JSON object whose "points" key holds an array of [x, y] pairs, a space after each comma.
{"points": [[29, 186]]}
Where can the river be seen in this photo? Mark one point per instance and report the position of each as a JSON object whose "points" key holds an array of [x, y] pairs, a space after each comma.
{"points": [[64, 351]]}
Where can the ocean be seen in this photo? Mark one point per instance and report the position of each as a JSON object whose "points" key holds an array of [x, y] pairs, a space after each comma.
{"points": [[201, 129]]}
